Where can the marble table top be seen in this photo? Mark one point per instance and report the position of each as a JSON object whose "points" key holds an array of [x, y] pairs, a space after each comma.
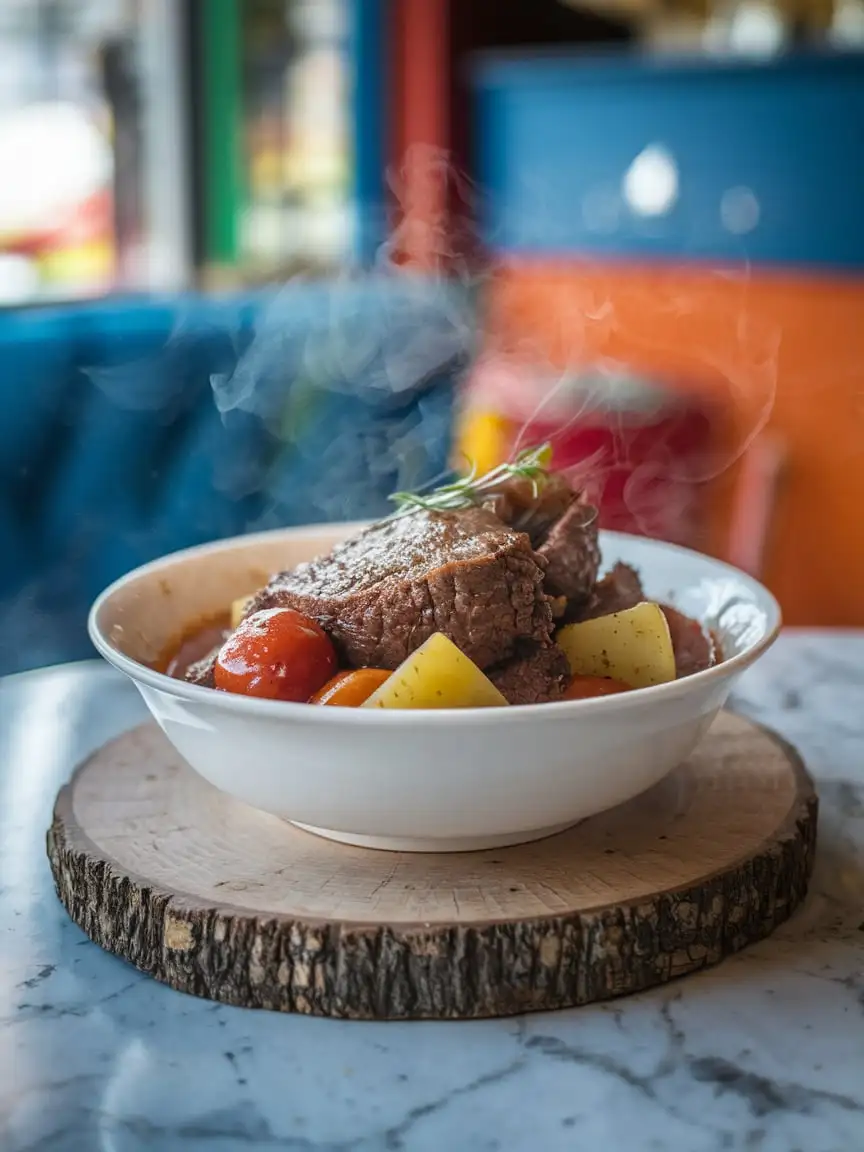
{"points": [[764, 1052]]}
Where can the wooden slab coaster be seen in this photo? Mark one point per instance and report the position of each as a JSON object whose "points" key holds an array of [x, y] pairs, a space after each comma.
{"points": [[222, 901]]}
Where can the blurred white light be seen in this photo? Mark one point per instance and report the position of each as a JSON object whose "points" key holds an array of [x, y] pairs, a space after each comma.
{"points": [[19, 279], [757, 28], [847, 25], [52, 157], [739, 210], [650, 185]]}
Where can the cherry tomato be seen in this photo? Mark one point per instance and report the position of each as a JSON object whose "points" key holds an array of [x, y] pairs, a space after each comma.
{"points": [[278, 654], [351, 689], [584, 687]]}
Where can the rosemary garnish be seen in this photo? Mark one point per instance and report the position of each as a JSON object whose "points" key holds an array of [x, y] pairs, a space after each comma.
{"points": [[531, 464]]}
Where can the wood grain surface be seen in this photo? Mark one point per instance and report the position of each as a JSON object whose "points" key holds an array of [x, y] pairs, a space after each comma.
{"points": [[220, 900]]}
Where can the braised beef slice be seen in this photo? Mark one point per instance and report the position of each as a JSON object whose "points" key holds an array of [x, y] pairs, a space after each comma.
{"points": [[380, 594], [694, 650], [535, 676]]}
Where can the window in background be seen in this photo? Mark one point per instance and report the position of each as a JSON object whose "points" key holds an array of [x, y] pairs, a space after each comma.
{"points": [[92, 194], [295, 91], [57, 234]]}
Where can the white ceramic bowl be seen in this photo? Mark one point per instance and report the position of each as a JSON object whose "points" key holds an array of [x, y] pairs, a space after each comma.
{"points": [[425, 781]]}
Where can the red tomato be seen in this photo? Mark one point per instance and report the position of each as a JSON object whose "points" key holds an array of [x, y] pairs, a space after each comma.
{"points": [[351, 689], [583, 687], [278, 654]]}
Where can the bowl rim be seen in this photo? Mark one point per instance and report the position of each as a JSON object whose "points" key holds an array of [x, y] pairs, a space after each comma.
{"points": [[290, 711]]}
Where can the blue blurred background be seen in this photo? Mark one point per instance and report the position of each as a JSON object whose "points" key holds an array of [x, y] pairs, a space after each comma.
{"points": [[265, 262]]}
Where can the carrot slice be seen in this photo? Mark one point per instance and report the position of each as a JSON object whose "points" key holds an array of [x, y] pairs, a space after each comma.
{"points": [[351, 689], [584, 687]]}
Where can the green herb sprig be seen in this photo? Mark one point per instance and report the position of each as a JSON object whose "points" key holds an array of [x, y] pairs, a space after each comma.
{"points": [[531, 464]]}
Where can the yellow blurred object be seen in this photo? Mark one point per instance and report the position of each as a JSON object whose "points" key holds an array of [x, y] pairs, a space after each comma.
{"points": [[437, 675], [484, 439], [88, 264]]}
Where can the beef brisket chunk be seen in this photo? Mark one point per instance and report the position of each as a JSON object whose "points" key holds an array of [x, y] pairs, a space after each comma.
{"points": [[382, 593], [562, 528], [572, 554], [537, 675], [530, 507], [694, 649], [620, 588]]}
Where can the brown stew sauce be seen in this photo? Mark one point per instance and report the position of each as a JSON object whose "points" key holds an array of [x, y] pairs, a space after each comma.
{"points": [[194, 643]]}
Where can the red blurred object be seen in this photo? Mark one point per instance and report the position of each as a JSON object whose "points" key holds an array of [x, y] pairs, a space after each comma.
{"points": [[642, 451], [87, 222]]}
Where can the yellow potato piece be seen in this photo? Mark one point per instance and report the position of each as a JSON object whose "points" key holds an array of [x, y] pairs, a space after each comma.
{"points": [[437, 675], [238, 609], [633, 646]]}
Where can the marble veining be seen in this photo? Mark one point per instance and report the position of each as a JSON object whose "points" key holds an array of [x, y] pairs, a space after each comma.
{"points": [[764, 1052]]}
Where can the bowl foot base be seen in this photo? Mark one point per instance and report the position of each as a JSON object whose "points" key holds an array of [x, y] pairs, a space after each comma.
{"points": [[435, 844]]}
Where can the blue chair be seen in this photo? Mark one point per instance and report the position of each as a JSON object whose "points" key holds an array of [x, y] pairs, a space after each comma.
{"points": [[137, 427]]}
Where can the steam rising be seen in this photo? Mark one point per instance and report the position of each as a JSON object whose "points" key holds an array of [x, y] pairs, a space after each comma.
{"points": [[383, 337], [356, 382], [350, 384]]}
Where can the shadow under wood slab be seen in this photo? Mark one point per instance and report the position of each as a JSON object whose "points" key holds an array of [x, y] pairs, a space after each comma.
{"points": [[220, 900]]}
